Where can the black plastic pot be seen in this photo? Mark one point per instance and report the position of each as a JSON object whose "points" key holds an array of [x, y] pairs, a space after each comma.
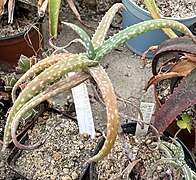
{"points": [[129, 128]]}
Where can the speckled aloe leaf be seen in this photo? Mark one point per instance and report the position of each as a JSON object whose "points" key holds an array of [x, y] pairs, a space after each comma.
{"points": [[53, 6], [100, 34], [137, 29], [180, 44], [53, 90], [85, 37], [182, 98], [103, 81], [152, 8], [49, 75], [38, 67], [174, 157]]}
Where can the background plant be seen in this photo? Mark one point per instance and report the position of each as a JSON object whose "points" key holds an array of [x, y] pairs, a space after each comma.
{"points": [[175, 157], [179, 65]]}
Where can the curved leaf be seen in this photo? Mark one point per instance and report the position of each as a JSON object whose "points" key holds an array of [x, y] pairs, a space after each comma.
{"points": [[180, 44], [103, 81], [180, 100], [152, 8], [38, 67], [54, 72], [180, 69], [54, 90], [99, 36], [85, 37], [137, 29]]}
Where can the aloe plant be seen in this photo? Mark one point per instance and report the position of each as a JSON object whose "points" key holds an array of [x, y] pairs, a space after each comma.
{"points": [[174, 157], [181, 65], [51, 71]]}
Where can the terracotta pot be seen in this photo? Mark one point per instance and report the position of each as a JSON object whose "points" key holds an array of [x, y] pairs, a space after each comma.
{"points": [[27, 43]]}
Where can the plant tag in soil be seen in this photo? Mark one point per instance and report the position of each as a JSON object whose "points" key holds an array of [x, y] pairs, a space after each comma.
{"points": [[147, 110], [83, 109]]}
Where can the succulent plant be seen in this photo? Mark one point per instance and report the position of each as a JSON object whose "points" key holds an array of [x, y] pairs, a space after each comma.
{"points": [[174, 157], [52, 70], [181, 64]]}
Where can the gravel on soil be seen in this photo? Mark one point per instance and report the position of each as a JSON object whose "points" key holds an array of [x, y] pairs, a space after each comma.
{"points": [[63, 156], [119, 163], [24, 20], [173, 8]]}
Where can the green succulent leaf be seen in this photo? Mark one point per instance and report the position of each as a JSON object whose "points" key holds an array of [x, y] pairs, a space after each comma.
{"points": [[53, 6], [53, 90], [23, 64], [85, 37], [100, 34], [69, 63], [137, 29], [174, 156], [36, 68], [10, 81]]}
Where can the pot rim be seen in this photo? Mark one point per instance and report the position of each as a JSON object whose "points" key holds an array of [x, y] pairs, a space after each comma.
{"points": [[148, 14], [31, 28]]}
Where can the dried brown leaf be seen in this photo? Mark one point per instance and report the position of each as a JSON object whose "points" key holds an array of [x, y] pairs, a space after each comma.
{"points": [[41, 7], [73, 8], [11, 6], [181, 68]]}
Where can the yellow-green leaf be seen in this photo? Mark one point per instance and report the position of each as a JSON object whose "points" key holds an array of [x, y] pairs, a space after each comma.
{"points": [[54, 6], [152, 8], [181, 124]]}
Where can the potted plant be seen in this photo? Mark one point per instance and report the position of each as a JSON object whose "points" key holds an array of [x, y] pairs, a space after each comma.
{"points": [[173, 69], [20, 30], [47, 76], [144, 157], [134, 14]]}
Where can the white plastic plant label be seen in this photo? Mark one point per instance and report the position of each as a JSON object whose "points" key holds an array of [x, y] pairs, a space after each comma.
{"points": [[147, 110], [83, 109]]}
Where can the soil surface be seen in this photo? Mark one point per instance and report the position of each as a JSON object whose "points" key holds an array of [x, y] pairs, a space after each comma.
{"points": [[25, 16], [173, 8], [122, 66]]}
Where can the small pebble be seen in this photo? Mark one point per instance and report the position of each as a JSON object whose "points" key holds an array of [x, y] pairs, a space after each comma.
{"points": [[74, 175]]}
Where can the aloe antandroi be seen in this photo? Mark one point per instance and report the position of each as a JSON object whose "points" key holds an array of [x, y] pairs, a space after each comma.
{"points": [[55, 67]]}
